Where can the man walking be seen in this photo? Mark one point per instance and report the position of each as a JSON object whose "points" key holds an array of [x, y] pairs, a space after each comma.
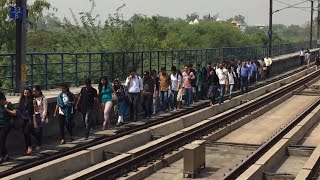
{"points": [[222, 74], [87, 98], [244, 73], [149, 88], [268, 63], [135, 88]]}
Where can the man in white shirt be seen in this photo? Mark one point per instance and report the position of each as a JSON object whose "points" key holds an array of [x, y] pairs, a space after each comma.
{"points": [[222, 74], [175, 84], [268, 62], [135, 87], [307, 57]]}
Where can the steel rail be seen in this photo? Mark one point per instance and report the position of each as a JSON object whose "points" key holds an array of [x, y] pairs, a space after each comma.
{"points": [[158, 151], [103, 139]]}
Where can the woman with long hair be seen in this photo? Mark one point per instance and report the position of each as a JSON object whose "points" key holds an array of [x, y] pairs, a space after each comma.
{"points": [[6, 112], [214, 84], [120, 92], [65, 103], [26, 111], [105, 92], [40, 104]]}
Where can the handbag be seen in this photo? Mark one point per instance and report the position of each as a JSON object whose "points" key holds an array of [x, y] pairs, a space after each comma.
{"points": [[214, 89], [114, 97], [37, 121]]}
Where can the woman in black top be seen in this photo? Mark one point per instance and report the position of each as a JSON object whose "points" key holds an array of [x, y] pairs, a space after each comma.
{"points": [[214, 84], [26, 111]]}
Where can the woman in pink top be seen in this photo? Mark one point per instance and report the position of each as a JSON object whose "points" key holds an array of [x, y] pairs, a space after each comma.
{"points": [[186, 78], [40, 107]]}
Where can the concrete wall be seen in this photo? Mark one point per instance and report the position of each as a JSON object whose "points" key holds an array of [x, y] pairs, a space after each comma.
{"points": [[51, 130]]}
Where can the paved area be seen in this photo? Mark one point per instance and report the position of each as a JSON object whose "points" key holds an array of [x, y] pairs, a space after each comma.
{"points": [[260, 129], [218, 161], [53, 146], [291, 165], [312, 138]]}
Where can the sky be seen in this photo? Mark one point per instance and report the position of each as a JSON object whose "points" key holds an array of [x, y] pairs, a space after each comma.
{"points": [[255, 11]]}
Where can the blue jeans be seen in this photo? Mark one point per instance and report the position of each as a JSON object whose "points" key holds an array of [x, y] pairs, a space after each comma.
{"points": [[87, 118], [164, 100], [230, 89], [222, 92], [188, 96], [174, 103], [244, 84], [122, 107], [156, 103]]}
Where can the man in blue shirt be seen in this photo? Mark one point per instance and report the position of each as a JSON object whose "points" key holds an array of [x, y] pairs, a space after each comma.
{"points": [[244, 74], [254, 69]]}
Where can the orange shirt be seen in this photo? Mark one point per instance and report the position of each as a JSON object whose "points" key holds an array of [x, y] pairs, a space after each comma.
{"points": [[164, 82]]}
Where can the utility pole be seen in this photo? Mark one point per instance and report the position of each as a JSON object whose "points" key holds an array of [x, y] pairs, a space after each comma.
{"points": [[270, 28], [21, 32], [311, 25], [318, 29]]}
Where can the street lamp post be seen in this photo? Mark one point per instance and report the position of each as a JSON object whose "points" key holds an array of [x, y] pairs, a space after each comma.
{"points": [[270, 28], [21, 31], [318, 29], [311, 25], [289, 6]]}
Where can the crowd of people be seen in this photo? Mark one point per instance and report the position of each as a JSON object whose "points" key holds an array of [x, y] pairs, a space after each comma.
{"points": [[305, 57], [154, 93]]}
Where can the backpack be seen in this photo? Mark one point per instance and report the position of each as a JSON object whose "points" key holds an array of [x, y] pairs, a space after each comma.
{"points": [[193, 81]]}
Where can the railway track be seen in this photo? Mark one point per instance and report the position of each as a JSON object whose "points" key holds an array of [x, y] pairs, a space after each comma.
{"points": [[136, 129], [294, 156], [157, 151]]}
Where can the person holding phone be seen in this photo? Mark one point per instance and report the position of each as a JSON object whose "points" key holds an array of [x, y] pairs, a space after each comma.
{"points": [[135, 87]]}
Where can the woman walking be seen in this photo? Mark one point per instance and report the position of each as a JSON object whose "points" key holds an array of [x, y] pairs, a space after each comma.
{"points": [[105, 92], [214, 84], [65, 103], [6, 112], [40, 104], [120, 92], [26, 111]]}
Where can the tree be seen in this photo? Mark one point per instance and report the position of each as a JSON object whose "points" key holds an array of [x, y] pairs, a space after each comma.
{"points": [[239, 18], [211, 17], [193, 16], [7, 28]]}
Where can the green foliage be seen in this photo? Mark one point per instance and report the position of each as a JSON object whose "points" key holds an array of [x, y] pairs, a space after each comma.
{"points": [[7, 28], [86, 33], [239, 18]]}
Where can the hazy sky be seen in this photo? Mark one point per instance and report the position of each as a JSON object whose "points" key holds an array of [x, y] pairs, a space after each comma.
{"points": [[255, 11]]}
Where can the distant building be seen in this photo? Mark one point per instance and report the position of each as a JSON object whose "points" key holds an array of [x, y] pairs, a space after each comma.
{"points": [[194, 22], [261, 26], [241, 26]]}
